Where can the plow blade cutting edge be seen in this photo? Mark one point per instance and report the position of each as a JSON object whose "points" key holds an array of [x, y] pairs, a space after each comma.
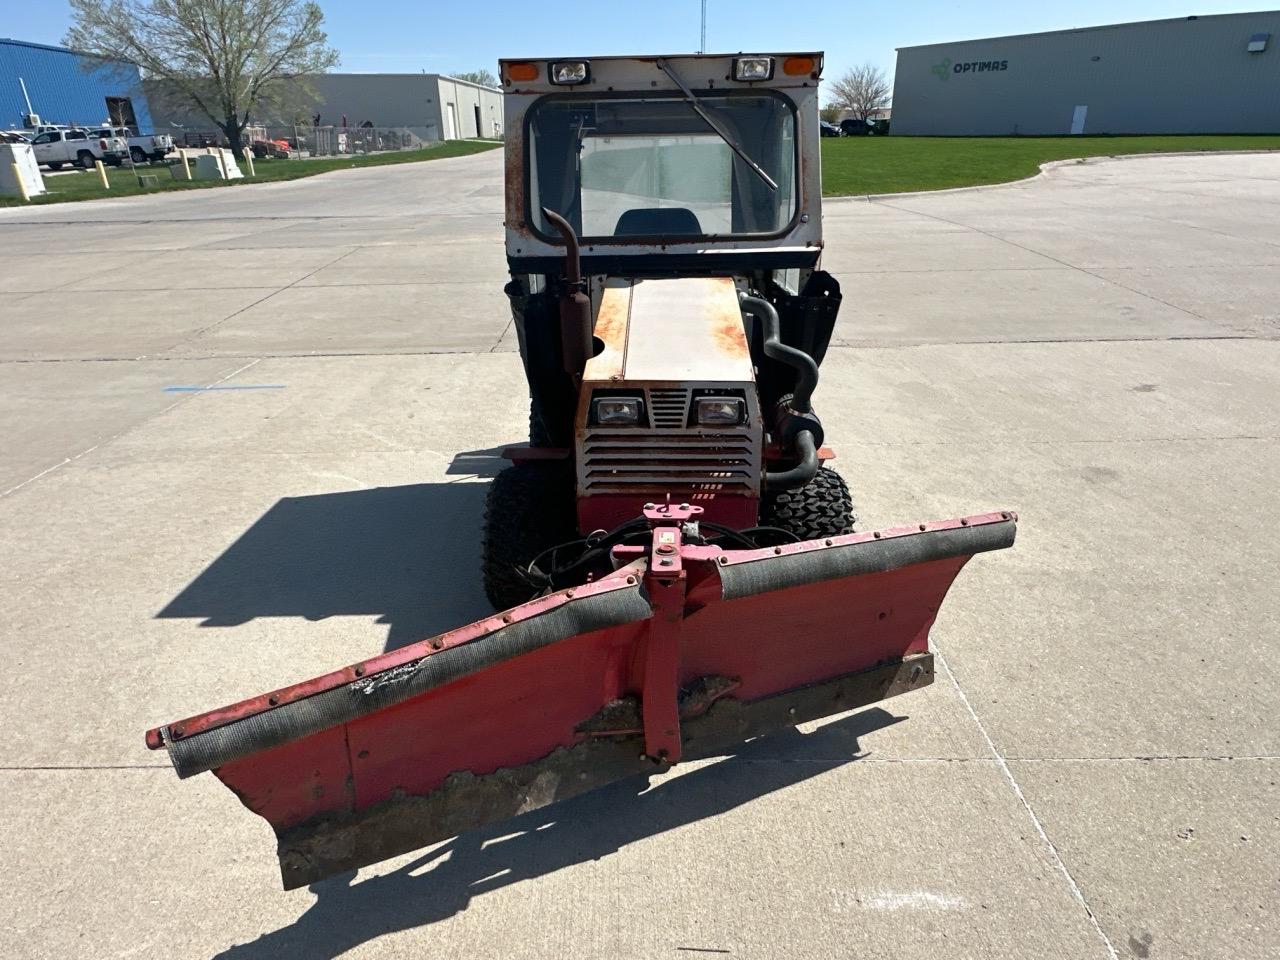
{"points": [[681, 653]]}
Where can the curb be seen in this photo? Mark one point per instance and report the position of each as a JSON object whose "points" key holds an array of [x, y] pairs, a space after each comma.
{"points": [[1045, 168]]}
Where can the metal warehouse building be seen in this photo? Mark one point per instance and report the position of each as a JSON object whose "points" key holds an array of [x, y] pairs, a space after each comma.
{"points": [[67, 88], [1213, 74], [441, 107]]}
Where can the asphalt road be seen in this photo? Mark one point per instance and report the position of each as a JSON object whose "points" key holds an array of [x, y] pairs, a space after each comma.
{"points": [[1093, 775]]}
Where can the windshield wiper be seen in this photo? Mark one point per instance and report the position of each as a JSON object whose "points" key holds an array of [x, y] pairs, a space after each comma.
{"points": [[715, 125]]}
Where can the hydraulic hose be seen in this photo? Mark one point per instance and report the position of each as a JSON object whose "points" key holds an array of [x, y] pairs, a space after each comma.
{"points": [[804, 365], [802, 472]]}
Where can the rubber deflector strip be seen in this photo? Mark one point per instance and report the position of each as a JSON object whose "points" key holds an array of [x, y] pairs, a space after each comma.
{"points": [[870, 556], [291, 721]]}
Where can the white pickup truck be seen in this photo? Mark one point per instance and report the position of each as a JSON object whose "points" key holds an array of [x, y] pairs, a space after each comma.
{"points": [[53, 148], [154, 147]]}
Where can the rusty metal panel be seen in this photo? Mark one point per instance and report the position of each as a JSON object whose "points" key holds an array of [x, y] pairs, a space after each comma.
{"points": [[687, 329], [669, 340]]}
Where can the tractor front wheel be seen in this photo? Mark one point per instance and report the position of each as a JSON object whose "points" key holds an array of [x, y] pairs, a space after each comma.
{"points": [[529, 509], [821, 508]]}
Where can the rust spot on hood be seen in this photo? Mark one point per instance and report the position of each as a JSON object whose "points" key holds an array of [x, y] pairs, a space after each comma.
{"points": [[728, 333], [611, 329]]}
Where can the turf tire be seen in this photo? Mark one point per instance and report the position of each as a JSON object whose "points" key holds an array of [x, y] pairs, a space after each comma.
{"points": [[821, 508], [529, 508]]}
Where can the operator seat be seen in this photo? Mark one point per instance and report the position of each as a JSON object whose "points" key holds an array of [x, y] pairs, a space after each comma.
{"points": [[658, 222]]}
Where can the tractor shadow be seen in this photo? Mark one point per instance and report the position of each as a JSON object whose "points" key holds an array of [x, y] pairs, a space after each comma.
{"points": [[408, 555], [442, 882]]}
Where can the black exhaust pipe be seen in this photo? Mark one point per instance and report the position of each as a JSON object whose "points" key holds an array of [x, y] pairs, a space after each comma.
{"points": [[575, 305]]}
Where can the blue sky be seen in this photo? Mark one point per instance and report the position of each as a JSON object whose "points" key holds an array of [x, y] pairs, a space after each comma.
{"points": [[406, 36]]}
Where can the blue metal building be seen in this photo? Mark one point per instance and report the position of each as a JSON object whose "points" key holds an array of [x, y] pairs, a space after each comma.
{"points": [[68, 88]]}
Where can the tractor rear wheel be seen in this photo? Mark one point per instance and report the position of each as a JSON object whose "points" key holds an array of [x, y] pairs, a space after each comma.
{"points": [[821, 508], [529, 509]]}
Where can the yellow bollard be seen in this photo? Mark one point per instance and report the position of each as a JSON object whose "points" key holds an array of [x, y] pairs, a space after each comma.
{"points": [[248, 160], [102, 174], [22, 184], [186, 170]]}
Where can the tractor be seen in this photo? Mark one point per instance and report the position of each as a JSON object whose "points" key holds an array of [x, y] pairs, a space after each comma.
{"points": [[673, 565]]}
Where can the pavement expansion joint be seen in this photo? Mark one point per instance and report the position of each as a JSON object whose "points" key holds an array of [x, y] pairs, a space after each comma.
{"points": [[183, 398], [203, 330], [1026, 805]]}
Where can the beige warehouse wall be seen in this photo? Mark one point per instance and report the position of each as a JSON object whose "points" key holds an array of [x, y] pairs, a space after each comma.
{"points": [[1192, 75], [466, 98]]}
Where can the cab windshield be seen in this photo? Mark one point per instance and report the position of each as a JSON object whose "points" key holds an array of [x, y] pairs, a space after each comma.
{"points": [[623, 168]]}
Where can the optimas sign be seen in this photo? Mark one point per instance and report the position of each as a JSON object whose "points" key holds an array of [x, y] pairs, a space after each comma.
{"points": [[945, 67]]}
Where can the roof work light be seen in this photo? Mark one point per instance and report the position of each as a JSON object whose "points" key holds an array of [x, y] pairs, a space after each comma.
{"points": [[753, 68], [566, 73]]}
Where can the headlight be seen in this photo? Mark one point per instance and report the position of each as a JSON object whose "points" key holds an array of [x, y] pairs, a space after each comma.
{"points": [[753, 68], [720, 411], [615, 411], [568, 72]]}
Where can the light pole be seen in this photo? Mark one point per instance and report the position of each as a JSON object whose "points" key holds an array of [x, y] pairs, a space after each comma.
{"points": [[702, 46]]}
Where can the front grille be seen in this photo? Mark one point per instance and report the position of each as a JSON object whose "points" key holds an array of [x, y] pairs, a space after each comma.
{"points": [[621, 461], [669, 408]]}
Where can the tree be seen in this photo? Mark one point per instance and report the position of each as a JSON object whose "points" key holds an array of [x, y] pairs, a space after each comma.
{"points": [[861, 91], [830, 113], [226, 58], [482, 77]]}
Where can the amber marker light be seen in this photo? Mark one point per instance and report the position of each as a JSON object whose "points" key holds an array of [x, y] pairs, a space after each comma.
{"points": [[522, 72], [797, 66]]}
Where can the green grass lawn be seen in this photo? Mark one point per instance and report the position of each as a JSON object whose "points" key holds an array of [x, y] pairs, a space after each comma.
{"points": [[83, 185], [861, 165], [851, 166]]}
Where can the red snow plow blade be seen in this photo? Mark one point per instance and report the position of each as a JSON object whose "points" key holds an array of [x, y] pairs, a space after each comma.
{"points": [[681, 653]]}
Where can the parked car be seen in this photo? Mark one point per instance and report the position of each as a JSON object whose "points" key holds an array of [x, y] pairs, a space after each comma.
{"points": [[53, 148], [826, 129], [864, 128], [154, 147]]}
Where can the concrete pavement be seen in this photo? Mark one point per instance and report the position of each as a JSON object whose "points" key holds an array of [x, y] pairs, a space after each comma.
{"points": [[1093, 775]]}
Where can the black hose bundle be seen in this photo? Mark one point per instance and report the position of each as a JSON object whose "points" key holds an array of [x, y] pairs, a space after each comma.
{"points": [[550, 570]]}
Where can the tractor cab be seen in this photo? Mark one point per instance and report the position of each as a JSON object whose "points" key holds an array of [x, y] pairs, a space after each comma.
{"points": [[663, 232], [683, 165]]}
